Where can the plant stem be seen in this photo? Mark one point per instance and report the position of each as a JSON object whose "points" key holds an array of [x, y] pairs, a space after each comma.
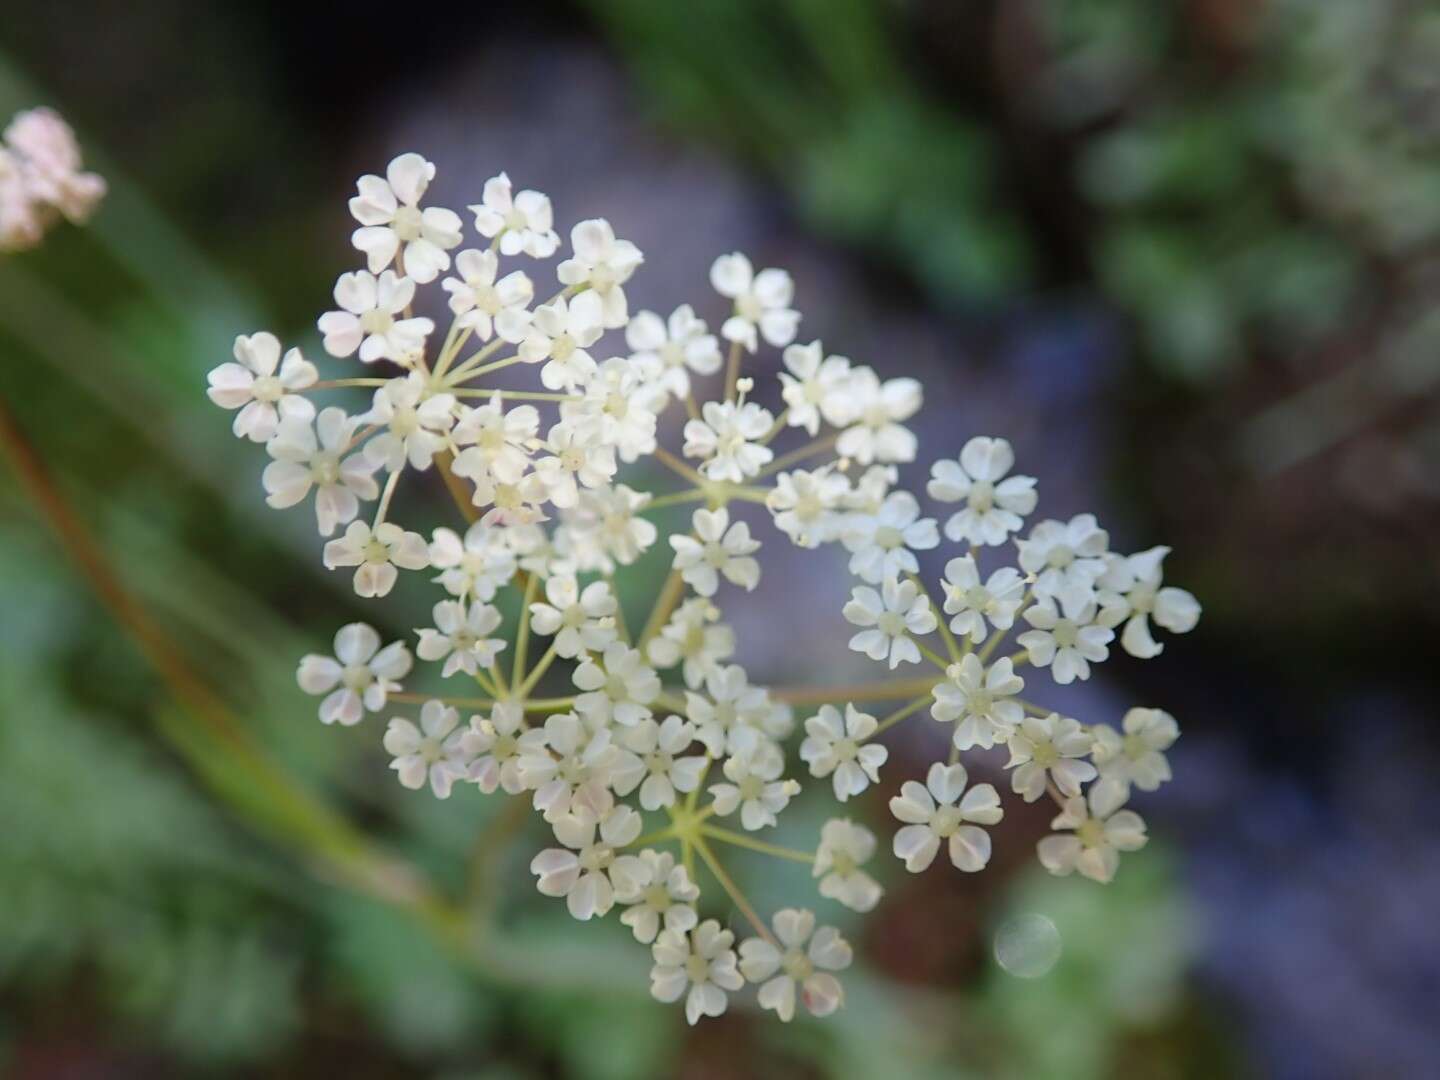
{"points": [[741, 840], [732, 889]]}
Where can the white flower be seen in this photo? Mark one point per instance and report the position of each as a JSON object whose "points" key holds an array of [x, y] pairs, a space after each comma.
{"points": [[475, 566], [663, 894], [559, 759], [367, 320], [880, 409], [358, 678], [1135, 757], [1064, 556], [485, 305], [844, 848], [725, 437], [808, 968], [580, 457], [761, 301], [947, 816], [375, 554], [524, 221], [974, 604], [892, 616], [389, 213], [1067, 639], [883, 544], [416, 420], [263, 397], [494, 746], [580, 621], [618, 408], [755, 787], [496, 441], [806, 505], [701, 962], [815, 389], [603, 265], [871, 488], [621, 690], [720, 550], [980, 700], [580, 874], [459, 637], [560, 332], [994, 506], [734, 711], [667, 768], [302, 460], [433, 751], [1131, 590], [668, 351], [837, 745], [1096, 842], [1052, 746], [695, 637], [613, 525]]}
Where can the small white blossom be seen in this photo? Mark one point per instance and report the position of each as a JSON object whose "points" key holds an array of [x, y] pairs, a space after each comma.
{"points": [[602, 264], [1131, 590], [591, 831], [668, 768], [806, 505], [496, 441], [981, 700], [663, 895], [560, 332], [733, 712], [494, 746], [475, 566], [891, 616], [359, 677], [435, 750], [1097, 838], [417, 423], [974, 604], [879, 433], [621, 690], [694, 638], [264, 398], [754, 785], [616, 406], [790, 964], [1052, 747], [762, 301], [1134, 755], [1067, 639], [580, 621], [883, 544], [722, 549], [375, 554], [844, 848], [699, 965], [485, 305], [459, 637], [523, 221], [815, 389], [307, 456], [609, 519], [942, 809], [725, 436], [1064, 556], [391, 220], [995, 506], [367, 319], [562, 757], [836, 745], [667, 351], [581, 457]]}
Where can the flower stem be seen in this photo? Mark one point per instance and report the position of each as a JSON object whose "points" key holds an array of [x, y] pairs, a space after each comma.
{"points": [[669, 460], [900, 714], [733, 890], [899, 690], [665, 602], [522, 635], [728, 836], [808, 450], [535, 673], [732, 370]]}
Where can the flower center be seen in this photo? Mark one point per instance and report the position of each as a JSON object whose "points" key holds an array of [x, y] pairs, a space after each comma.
{"points": [[1045, 754], [596, 857], [887, 536], [407, 223], [357, 677], [615, 688], [267, 388], [982, 496], [797, 965], [945, 821], [891, 624], [657, 897], [377, 322], [325, 469], [1091, 833], [697, 968], [1066, 634], [1060, 556], [376, 552], [748, 307]]}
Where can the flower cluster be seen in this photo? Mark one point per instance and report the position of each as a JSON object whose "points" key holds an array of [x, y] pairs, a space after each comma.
{"points": [[609, 722], [41, 179]]}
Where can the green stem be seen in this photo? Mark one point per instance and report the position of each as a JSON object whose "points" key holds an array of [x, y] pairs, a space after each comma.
{"points": [[741, 840]]}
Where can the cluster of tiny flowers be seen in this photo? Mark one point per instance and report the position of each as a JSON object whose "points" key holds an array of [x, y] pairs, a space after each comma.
{"points": [[41, 180], [656, 719]]}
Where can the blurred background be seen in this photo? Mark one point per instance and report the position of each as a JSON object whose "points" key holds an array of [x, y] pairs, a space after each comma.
{"points": [[1181, 252]]}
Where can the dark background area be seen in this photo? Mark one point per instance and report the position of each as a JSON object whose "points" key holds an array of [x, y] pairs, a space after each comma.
{"points": [[1183, 254]]}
